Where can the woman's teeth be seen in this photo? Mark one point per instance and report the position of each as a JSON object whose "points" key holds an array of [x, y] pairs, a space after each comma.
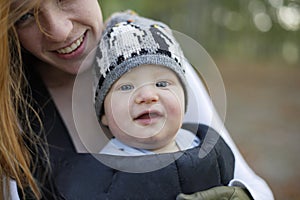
{"points": [[72, 47]]}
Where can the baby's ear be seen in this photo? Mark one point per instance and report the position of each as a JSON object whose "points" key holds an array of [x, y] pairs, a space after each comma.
{"points": [[104, 120]]}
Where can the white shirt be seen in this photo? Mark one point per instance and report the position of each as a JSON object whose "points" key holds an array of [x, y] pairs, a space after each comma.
{"points": [[184, 140]]}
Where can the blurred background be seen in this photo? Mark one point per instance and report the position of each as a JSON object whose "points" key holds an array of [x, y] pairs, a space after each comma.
{"points": [[256, 46]]}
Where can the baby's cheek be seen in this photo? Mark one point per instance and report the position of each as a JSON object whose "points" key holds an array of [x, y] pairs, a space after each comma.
{"points": [[175, 112], [175, 106]]}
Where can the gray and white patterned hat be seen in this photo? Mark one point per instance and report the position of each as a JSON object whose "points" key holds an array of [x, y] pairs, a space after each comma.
{"points": [[128, 42]]}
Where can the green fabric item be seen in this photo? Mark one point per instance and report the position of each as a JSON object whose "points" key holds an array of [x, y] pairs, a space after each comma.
{"points": [[218, 193]]}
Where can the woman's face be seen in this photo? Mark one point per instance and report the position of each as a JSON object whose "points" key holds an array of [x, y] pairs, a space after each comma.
{"points": [[66, 32]]}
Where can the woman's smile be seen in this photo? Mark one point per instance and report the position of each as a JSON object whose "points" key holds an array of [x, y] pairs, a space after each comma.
{"points": [[72, 47]]}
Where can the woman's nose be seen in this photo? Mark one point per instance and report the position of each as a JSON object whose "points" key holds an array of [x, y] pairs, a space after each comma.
{"points": [[56, 24], [146, 95]]}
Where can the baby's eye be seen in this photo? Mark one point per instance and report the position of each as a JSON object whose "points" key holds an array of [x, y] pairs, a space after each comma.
{"points": [[24, 18], [126, 87], [162, 84]]}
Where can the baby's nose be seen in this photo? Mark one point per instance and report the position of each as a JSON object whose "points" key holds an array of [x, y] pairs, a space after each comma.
{"points": [[146, 95]]}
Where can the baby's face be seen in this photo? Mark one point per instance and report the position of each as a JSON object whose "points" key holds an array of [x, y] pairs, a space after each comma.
{"points": [[145, 107]]}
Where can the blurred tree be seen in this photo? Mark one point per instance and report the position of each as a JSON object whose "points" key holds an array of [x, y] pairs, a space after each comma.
{"points": [[241, 29]]}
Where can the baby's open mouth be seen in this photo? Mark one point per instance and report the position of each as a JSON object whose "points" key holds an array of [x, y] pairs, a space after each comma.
{"points": [[148, 117]]}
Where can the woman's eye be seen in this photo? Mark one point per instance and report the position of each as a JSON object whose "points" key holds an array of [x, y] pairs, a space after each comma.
{"points": [[25, 18], [126, 87], [162, 84]]}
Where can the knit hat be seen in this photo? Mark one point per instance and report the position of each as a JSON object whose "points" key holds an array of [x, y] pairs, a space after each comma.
{"points": [[128, 42]]}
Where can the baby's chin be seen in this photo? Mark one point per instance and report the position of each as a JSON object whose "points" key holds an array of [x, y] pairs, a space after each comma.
{"points": [[152, 143]]}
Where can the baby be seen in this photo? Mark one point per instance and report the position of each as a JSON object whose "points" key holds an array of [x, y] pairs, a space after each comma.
{"points": [[141, 91], [140, 97]]}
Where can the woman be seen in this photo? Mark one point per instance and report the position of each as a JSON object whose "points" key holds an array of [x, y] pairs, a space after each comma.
{"points": [[14, 155], [55, 41]]}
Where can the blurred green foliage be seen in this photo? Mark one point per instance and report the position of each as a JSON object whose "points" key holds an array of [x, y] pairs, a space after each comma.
{"points": [[240, 29]]}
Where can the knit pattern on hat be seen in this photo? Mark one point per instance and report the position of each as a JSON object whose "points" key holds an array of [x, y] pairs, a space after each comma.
{"points": [[130, 41]]}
